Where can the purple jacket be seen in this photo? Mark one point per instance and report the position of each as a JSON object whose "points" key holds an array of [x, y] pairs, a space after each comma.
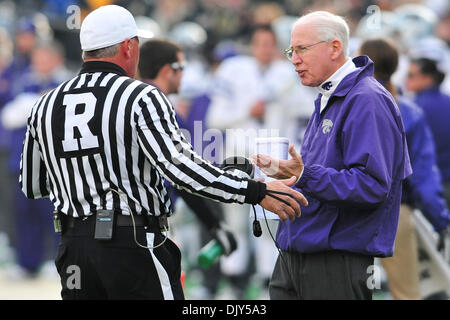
{"points": [[436, 106], [355, 156]]}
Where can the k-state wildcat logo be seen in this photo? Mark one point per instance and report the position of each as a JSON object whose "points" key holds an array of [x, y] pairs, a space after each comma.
{"points": [[327, 85], [326, 126]]}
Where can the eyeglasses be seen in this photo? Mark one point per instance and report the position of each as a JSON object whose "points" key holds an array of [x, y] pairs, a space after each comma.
{"points": [[178, 66], [412, 74], [299, 50]]}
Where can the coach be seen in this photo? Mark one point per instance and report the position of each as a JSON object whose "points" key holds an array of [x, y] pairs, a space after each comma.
{"points": [[354, 158], [100, 146]]}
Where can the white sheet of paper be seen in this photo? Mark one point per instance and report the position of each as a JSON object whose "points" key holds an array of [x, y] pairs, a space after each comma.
{"points": [[276, 148]]}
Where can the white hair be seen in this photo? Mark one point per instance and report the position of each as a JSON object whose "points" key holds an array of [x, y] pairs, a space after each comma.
{"points": [[328, 27], [101, 53]]}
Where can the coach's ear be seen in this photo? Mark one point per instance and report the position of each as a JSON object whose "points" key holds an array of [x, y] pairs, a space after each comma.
{"points": [[336, 49]]}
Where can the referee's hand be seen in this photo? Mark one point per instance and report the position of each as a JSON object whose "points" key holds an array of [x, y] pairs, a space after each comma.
{"points": [[283, 210]]}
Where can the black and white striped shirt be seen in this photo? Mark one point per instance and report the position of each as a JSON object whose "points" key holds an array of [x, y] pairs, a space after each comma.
{"points": [[103, 130]]}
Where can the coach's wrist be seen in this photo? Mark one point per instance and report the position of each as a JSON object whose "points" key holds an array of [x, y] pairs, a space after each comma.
{"points": [[306, 173], [300, 175]]}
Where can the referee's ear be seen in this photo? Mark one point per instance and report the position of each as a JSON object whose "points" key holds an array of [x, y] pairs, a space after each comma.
{"points": [[127, 48], [128, 56]]}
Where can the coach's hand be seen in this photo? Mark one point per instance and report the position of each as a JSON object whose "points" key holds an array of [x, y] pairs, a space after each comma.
{"points": [[283, 210], [280, 169]]}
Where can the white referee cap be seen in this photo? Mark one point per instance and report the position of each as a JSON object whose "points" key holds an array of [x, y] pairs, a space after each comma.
{"points": [[107, 26]]}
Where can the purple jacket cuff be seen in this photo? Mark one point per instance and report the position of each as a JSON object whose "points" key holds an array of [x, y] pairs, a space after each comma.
{"points": [[306, 174]]}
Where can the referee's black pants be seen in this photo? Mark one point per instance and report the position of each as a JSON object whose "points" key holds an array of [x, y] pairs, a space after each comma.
{"points": [[331, 275], [117, 269]]}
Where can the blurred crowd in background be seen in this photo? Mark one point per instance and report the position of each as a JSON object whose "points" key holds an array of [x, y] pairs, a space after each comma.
{"points": [[234, 78]]}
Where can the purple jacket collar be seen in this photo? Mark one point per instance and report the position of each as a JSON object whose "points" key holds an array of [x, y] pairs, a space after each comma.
{"points": [[364, 67]]}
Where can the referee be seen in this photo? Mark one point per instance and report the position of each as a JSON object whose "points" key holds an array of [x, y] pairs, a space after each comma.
{"points": [[100, 146]]}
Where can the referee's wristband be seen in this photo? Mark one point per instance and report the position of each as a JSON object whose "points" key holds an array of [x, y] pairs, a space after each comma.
{"points": [[256, 191]]}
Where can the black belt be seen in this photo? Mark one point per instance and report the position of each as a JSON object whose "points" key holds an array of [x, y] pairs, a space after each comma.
{"points": [[139, 221], [153, 223]]}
